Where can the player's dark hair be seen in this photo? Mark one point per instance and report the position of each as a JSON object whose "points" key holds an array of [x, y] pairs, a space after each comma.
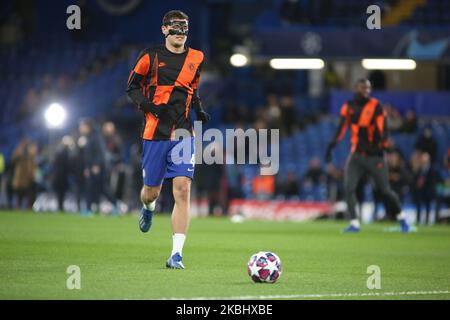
{"points": [[361, 80], [174, 14]]}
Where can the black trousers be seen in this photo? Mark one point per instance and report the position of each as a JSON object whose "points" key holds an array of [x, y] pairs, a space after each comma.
{"points": [[420, 203], [376, 167], [441, 200], [96, 186]]}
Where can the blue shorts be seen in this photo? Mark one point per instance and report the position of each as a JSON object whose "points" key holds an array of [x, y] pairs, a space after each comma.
{"points": [[166, 159]]}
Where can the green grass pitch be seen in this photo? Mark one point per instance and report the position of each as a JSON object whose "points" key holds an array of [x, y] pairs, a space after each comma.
{"points": [[117, 261]]}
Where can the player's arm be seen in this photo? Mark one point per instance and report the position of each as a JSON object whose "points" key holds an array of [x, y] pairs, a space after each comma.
{"points": [[340, 133], [381, 126], [134, 87], [202, 115]]}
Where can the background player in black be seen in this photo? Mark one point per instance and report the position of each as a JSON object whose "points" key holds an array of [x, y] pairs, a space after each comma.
{"points": [[367, 121]]}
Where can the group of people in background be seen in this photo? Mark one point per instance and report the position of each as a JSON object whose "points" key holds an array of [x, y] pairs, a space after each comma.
{"points": [[88, 164], [92, 164]]}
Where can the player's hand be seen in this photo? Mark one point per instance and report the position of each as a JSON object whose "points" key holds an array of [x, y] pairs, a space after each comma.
{"points": [[159, 110], [156, 110], [203, 116]]}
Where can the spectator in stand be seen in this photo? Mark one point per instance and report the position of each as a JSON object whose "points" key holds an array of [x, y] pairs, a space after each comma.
{"points": [[272, 113], [263, 187], [399, 176], [24, 162], [443, 187], [393, 147], [424, 183], [208, 179], [331, 79], [314, 182], [235, 114], [394, 120], [289, 187], [63, 85], [427, 143], [410, 122], [47, 89], [315, 174], [29, 105], [288, 115]]}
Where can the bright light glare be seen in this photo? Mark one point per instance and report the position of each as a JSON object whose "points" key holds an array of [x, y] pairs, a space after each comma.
{"points": [[389, 64], [297, 63], [55, 115], [238, 60]]}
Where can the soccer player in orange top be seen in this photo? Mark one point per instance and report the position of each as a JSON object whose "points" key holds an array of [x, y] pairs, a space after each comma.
{"points": [[367, 121], [164, 85]]}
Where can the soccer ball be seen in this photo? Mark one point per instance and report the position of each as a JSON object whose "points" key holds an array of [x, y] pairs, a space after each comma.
{"points": [[264, 266]]}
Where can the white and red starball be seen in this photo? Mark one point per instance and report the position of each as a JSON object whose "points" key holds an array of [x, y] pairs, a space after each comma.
{"points": [[264, 266]]}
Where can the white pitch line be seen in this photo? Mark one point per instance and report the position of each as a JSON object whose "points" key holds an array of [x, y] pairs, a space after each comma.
{"points": [[325, 295]]}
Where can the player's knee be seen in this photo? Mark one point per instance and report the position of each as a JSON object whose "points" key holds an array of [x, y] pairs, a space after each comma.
{"points": [[148, 195], [181, 192]]}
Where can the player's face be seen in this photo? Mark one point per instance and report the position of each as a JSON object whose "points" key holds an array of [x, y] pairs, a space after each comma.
{"points": [[363, 89], [176, 32]]}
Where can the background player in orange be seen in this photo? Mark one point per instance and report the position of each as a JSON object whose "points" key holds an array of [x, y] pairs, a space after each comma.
{"points": [[367, 121], [163, 84]]}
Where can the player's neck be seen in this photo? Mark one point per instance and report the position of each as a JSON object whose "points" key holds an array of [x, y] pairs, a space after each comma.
{"points": [[173, 49], [361, 99]]}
